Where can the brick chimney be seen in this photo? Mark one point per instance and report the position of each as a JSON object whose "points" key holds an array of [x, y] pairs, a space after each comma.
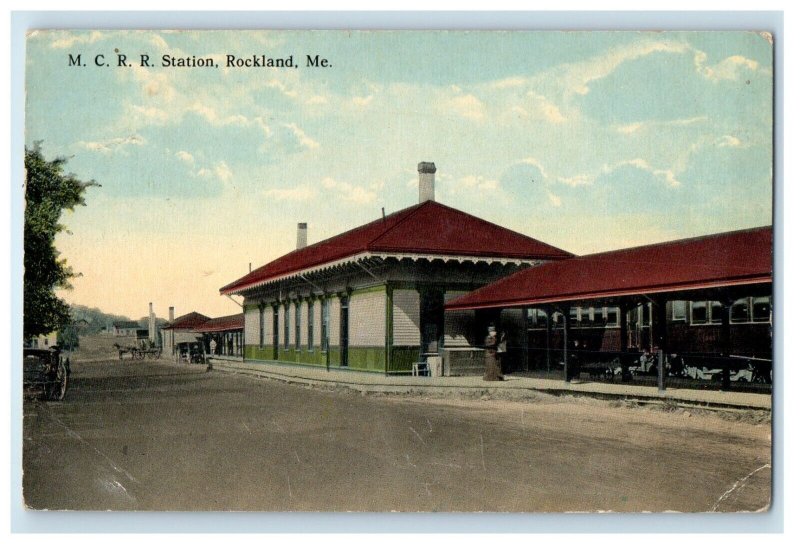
{"points": [[302, 235], [427, 171], [151, 322], [171, 314]]}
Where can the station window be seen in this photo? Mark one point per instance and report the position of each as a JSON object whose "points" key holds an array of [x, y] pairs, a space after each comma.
{"points": [[537, 319], [597, 316], [261, 326], [573, 315], [612, 316], [310, 325], [740, 311], [679, 310], [762, 309], [286, 312], [298, 314], [716, 311], [699, 312], [325, 324]]}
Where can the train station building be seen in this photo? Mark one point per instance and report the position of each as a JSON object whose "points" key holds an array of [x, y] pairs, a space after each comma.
{"points": [[373, 298], [423, 284]]}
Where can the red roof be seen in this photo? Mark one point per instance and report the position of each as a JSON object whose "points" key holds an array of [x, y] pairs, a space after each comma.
{"points": [[188, 322], [219, 324], [720, 260], [426, 228]]}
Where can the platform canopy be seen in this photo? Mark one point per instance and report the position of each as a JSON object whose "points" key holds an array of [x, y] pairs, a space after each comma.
{"points": [[227, 323], [733, 261]]}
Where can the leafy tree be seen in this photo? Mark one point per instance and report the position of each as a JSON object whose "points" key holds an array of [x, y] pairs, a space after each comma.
{"points": [[48, 191]]}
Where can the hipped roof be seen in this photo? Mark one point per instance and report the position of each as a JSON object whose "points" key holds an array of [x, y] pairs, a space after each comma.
{"points": [[720, 260], [429, 228], [187, 322], [220, 324]]}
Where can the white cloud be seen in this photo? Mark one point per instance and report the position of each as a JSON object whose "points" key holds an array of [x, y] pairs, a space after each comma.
{"points": [[465, 105], [220, 171], [69, 39], [316, 100], [214, 118], [159, 42], [185, 156], [537, 107], [555, 200], [223, 171], [151, 115], [301, 136], [729, 141], [349, 192], [727, 69], [576, 77], [478, 182], [300, 193], [574, 181], [641, 126], [508, 83], [113, 144], [535, 162], [667, 175], [362, 100], [630, 128]]}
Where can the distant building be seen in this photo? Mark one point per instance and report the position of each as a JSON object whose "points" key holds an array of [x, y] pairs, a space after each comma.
{"points": [[44, 340], [181, 330], [228, 335], [125, 328]]}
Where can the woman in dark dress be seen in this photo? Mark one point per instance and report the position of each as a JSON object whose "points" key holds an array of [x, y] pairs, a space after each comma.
{"points": [[493, 372]]}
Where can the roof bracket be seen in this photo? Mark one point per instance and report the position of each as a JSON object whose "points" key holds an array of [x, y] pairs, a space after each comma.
{"points": [[365, 269]]}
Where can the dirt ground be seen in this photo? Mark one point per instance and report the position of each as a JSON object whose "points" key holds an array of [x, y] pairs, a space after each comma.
{"points": [[142, 435]]}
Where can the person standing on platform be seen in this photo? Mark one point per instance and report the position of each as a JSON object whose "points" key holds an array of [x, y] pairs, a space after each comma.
{"points": [[492, 372]]}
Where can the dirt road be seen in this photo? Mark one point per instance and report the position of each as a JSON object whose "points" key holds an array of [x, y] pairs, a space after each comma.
{"points": [[159, 436]]}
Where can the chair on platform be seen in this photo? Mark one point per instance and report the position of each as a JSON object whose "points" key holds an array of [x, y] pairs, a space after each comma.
{"points": [[420, 368]]}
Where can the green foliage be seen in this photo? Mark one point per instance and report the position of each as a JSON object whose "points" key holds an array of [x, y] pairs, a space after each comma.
{"points": [[68, 337], [48, 191]]}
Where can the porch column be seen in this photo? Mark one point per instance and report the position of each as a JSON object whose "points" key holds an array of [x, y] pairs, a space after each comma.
{"points": [[565, 313], [623, 341], [660, 336], [548, 331], [725, 342]]}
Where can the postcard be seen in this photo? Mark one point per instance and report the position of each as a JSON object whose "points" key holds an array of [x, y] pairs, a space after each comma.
{"points": [[414, 271]]}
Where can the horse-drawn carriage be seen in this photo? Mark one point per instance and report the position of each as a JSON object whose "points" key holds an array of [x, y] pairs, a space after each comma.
{"points": [[45, 372], [138, 352]]}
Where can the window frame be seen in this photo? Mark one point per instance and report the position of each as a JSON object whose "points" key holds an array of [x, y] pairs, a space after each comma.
{"points": [[310, 327]]}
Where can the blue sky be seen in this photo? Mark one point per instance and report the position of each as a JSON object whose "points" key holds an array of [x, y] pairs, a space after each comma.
{"points": [[585, 140]]}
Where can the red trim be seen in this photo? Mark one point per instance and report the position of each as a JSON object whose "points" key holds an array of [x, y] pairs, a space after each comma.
{"points": [[722, 260], [610, 294], [429, 228]]}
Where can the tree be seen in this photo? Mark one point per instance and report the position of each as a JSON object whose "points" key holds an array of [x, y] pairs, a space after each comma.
{"points": [[48, 192]]}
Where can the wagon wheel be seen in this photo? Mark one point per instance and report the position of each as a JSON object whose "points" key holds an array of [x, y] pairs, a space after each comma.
{"points": [[58, 390]]}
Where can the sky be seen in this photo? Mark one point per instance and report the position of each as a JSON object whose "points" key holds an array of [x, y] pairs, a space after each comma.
{"points": [[589, 141]]}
